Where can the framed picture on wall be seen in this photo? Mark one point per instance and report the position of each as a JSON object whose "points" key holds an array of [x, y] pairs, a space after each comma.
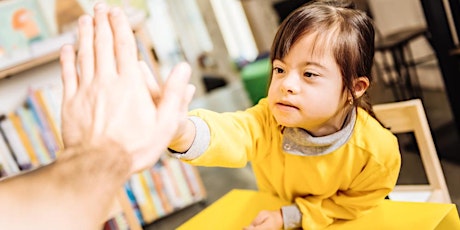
{"points": [[21, 25]]}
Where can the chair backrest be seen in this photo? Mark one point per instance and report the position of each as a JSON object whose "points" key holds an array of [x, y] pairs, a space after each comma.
{"points": [[409, 116]]}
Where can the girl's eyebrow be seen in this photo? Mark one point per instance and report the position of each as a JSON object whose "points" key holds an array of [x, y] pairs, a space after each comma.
{"points": [[315, 64], [307, 63]]}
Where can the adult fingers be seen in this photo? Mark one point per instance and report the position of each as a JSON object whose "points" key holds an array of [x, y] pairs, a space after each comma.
{"points": [[104, 54], [85, 49], [149, 79], [125, 44], [68, 72], [174, 90]]}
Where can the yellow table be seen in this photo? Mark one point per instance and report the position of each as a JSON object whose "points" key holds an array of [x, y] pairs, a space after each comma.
{"points": [[237, 209]]}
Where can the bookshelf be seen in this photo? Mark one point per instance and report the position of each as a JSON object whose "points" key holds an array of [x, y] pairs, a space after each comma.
{"points": [[30, 137], [39, 53], [28, 64]]}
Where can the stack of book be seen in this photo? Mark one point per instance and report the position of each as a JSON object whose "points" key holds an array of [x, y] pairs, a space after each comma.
{"points": [[30, 135], [168, 186]]}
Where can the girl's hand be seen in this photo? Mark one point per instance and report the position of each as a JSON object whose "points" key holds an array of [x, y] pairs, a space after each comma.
{"points": [[267, 220], [184, 136]]}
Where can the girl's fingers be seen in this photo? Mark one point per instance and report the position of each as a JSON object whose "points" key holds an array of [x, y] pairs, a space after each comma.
{"points": [[125, 44], [189, 93], [68, 72], [174, 90], [85, 49], [152, 85], [260, 218], [187, 98], [104, 54]]}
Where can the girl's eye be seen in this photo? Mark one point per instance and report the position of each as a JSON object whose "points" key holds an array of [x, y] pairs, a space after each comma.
{"points": [[309, 74], [278, 70]]}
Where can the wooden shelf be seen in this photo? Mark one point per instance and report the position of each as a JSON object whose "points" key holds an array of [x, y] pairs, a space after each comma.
{"points": [[35, 61], [41, 52]]}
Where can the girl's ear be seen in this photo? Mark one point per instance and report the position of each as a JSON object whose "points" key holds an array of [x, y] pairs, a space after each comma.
{"points": [[360, 85]]}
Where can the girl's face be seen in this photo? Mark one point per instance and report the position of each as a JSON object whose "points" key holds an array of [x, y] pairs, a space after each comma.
{"points": [[306, 89]]}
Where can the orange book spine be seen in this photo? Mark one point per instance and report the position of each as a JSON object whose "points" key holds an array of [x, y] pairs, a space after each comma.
{"points": [[49, 117], [17, 124], [161, 193]]}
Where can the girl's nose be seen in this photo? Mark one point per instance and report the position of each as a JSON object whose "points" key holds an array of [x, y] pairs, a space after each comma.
{"points": [[290, 84]]}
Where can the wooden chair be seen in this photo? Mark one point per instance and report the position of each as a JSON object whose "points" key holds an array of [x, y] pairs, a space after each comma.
{"points": [[409, 116]]}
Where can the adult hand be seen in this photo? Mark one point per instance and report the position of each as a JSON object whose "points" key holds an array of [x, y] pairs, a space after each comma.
{"points": [[107, 97]]}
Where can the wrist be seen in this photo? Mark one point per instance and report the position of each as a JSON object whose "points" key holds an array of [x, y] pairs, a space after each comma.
{"points": [[184, 137], [107, 159], [291, 216]]}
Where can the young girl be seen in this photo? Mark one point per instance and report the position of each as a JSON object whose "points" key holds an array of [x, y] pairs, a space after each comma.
{"points": [[314, 140]]}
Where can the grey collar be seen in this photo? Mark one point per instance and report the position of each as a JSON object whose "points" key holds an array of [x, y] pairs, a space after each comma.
{"points": [[298, 141]]}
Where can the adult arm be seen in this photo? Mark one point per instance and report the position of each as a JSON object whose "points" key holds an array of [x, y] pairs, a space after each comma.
{"points": [[76, 191]]}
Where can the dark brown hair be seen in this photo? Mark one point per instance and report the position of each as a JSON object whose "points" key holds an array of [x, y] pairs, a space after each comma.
{"points": [[347, 31]]}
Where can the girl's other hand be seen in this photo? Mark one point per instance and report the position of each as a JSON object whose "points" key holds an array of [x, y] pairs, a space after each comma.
{"points": [[267, 220]]}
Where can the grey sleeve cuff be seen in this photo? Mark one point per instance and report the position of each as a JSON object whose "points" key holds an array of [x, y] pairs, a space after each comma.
{"points": [[292, 217], [200, 143]]}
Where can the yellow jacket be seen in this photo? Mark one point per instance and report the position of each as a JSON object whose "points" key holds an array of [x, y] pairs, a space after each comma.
{"points": [[342, 184]]}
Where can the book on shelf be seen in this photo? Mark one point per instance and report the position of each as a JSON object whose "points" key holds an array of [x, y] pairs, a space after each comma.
{"points": [[46, 103], [171, 187], [25, 141], [153, 212], [13, 140], [8, 164], [155, 173], [33, 132], [156, 191], [25, 135], [133, 202], [194, 183], [118, 222], [20, 154], [155, 198], [143, 198], [36, 106], [179, 179]]}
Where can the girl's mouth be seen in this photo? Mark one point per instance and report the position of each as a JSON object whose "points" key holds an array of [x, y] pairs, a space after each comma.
{"points": [[284, 106]]}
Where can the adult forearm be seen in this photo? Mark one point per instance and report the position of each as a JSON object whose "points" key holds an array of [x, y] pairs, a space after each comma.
{"points": [[79, 187]]}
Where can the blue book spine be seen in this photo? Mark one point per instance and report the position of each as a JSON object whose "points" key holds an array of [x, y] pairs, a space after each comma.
{"points": [[132, 199]]}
